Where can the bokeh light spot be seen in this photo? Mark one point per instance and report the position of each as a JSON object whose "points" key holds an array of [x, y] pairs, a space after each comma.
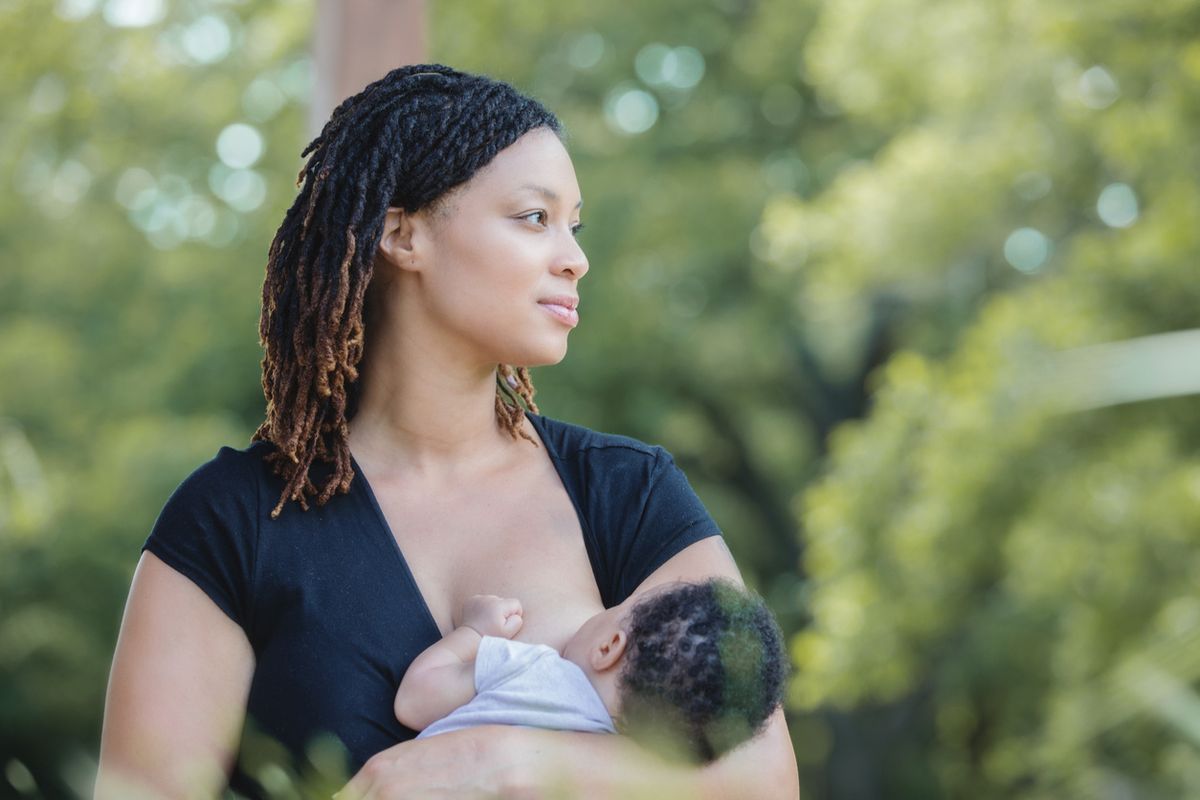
{"points": [[586, 51], [71, 182], [207, 40], [133, 13], [136, 188], [687, 68], [242, 189], [49, 95], [781, 104], [1098, 88], [1027, 249], [75, 10], [1031, 186], [677, 67], [240, 145], [197, 215], [262, 99], [296, 79], [785, 171], [649, 63], [19, 776], [1117, 206], [630, 110]]}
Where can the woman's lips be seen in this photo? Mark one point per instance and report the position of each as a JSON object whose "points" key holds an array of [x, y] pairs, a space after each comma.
{"points": [[565, 314]]}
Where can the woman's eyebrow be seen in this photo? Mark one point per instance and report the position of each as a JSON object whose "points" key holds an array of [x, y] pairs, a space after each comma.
{"points": [[549, 194]]}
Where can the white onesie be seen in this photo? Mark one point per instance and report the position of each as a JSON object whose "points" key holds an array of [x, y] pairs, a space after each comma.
{"points": [[529, 685]]}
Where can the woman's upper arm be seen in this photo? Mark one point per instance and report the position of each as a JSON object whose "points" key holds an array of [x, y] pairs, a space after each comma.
{"points": [[766, 765], [707, 558], [177, 692]]}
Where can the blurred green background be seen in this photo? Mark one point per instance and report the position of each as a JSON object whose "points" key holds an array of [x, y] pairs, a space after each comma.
{"points": [[837, 248]]}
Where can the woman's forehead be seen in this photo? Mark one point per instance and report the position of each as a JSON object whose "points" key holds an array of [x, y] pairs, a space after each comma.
{"points": [[537, 163]]}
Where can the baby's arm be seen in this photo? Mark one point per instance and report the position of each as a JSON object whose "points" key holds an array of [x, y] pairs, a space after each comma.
{"points": [[442, 678]]}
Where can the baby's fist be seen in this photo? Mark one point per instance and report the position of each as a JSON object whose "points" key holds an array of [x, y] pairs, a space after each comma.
{"points": [[490, 615]]}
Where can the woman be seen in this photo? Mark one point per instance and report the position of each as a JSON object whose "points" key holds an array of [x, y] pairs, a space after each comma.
{"points": [[432, 245]]}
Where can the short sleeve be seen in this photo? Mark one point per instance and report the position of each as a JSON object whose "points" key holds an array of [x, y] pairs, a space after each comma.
{"points": [[499, 659], [208, 529], [672, 518]]}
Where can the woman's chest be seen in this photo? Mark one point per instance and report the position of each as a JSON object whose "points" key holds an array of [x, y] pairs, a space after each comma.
{"points": [[349, 594], [517, 538]]}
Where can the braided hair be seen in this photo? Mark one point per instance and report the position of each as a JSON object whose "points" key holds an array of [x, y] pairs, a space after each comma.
{"points": [[405, 141], [704, 668]]}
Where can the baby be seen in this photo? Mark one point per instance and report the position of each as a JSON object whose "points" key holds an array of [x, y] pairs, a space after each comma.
{"points": [[691, 668]]}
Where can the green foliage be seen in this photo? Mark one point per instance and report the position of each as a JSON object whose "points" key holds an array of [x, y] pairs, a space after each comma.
{"points": [[1025, 573], [128, 319]]}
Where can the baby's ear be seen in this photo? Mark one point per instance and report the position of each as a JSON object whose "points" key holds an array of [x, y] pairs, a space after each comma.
{"points": [[608, 653]]}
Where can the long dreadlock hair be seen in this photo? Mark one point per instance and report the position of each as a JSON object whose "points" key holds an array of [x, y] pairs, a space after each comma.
{"points": [[404, 141]]}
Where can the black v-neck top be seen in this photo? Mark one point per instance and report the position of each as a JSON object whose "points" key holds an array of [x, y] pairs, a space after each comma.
{"points": [[329, 604]]}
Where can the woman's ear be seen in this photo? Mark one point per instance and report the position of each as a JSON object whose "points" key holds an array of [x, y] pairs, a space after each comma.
{"points": [[608, 653], [399, 242]]}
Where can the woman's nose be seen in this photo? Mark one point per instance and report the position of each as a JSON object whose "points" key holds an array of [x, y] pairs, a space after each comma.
{"points": [[572, 262]]}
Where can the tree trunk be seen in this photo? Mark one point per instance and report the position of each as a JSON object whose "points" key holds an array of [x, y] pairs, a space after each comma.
{"points": [[358, 41]]}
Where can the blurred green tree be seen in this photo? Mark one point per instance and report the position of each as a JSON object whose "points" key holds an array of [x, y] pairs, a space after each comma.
{"points": [[133, 227], [1002, 555]]}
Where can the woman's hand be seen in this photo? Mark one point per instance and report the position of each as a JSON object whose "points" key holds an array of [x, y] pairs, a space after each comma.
{"points": [[503, 761], [500, 761], [465, 764]]}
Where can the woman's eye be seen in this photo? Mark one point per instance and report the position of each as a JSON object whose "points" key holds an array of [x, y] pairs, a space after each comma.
{"points": [[576, 228], [537, 217]]}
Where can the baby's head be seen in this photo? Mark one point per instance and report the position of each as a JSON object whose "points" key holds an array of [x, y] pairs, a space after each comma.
{"points": [[698, 667]]}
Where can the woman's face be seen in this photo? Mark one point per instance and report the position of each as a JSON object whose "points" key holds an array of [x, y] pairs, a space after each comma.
{"points": [[500, 265]]}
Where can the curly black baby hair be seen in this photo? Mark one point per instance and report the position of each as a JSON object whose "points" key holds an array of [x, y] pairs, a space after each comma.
{"points": [[405, 141], [705, 667]]}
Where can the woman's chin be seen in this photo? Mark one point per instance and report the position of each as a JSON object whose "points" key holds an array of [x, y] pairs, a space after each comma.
{"points": [[541, 357]]}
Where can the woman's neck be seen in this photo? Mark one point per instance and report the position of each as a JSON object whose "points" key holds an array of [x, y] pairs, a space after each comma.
{"points": [[427, 424], [425, 412]]}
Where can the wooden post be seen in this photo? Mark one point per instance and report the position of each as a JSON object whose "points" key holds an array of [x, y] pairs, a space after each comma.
{"points": [[358, 41]]}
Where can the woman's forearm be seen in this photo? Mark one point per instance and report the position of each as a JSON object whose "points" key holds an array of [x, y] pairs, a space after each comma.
{"points": [[507, 761], [600, 767]]}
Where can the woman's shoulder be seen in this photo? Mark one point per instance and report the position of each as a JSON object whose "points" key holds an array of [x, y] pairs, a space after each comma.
{"points": [[231, 473], [231, 461], [208, 529], [565, 439]]}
